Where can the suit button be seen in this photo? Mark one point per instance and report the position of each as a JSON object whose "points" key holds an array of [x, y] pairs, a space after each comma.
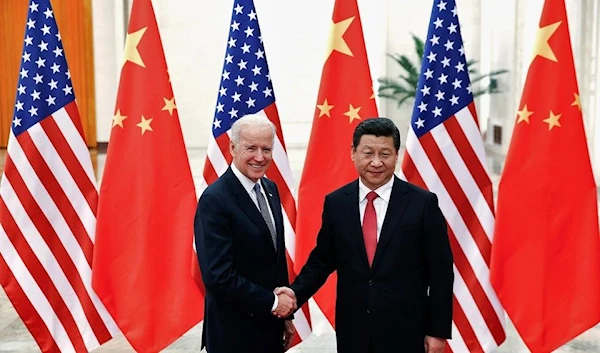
{"points": [[370, 282]]}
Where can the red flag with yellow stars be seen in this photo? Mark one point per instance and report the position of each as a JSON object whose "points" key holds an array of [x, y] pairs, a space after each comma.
{"points": [[345, 98], [546, 251], [143, 253]]}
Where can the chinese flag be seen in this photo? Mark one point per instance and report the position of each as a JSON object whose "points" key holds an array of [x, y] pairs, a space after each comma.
{"points": [[345, 98], [546, 252], [147, 201]]}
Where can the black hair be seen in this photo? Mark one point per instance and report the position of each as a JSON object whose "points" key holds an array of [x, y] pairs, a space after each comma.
{"points": [[378, 127]]}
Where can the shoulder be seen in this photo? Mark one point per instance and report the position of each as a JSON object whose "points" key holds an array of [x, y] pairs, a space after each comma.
{"points": [[270, 186], [414, 189], [216, 192], [270, 183], [418, 195], [216, 187], [342, 192]]}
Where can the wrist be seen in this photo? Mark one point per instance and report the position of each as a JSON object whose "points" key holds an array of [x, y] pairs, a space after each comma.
{"points": [[275, 303]]}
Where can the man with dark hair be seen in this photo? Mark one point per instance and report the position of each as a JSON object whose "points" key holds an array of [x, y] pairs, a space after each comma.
{"points": [[388, 241], [241, 249]]}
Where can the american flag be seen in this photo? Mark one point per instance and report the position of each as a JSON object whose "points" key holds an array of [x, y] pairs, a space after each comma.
{"points": [[445, 154], [246, 88], [48, 201]]}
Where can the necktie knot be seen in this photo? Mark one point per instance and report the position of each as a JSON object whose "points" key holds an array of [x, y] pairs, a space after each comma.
{"points": [[257, 188], [372, 196]]}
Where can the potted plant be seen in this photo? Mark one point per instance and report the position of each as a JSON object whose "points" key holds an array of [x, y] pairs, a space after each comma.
{"points": [[403, 89]]}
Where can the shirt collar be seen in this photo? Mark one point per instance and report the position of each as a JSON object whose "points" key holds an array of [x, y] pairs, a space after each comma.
{"points": [[384, 191], [246, 182]]}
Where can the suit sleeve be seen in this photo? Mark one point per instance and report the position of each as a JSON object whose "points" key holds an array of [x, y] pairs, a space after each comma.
{"points": [[214, 245], [440, 272], [321, 262], [284, 273], [284, 280]]}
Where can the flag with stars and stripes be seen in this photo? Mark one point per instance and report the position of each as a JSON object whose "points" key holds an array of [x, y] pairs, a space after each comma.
{"points": [[445, 154], [48, 201], [246, 88]]}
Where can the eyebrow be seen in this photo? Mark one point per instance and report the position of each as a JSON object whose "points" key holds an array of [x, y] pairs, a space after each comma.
{"points": [[255, 146], [370, 147]]}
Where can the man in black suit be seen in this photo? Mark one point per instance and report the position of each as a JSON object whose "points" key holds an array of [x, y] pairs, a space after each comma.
{"points": [[241, 249], [388, 241]]}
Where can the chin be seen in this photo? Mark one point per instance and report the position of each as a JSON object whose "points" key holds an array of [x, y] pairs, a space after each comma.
{"points": [[377, 182], [258, 175]]}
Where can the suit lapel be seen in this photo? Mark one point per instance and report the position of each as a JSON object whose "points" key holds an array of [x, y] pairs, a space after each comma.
{"points": [[352, 212], [396, 207], [246, 204], [275, 206]]}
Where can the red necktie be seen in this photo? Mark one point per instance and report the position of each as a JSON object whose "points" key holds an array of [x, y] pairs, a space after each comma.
{"points": [[369, 227]]}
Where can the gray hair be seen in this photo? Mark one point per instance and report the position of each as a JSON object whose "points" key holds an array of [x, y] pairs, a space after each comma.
{"points": [[253, 120]]}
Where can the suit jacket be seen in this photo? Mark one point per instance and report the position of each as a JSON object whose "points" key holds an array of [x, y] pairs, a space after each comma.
{"points": [[406, 294], [240, 268]]}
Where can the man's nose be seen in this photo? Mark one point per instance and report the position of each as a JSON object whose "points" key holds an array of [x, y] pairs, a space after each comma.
{"points": [[259, 155], [376, 161]]}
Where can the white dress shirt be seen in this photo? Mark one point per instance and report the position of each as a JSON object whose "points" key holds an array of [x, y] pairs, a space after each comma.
{"points": [[381, 203], [248, 185]]}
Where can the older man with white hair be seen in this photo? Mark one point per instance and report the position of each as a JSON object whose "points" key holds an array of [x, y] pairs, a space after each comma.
{"points": [[241, 249]]}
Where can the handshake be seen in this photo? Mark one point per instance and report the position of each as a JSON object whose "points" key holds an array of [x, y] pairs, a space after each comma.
{"points": [[286, 302]]}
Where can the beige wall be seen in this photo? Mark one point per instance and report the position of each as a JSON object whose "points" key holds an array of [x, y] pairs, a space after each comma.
{"points": [[498, 33], [194, 35]]}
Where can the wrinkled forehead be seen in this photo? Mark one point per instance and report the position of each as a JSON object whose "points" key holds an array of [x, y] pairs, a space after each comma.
{"points": [[257, 135]]}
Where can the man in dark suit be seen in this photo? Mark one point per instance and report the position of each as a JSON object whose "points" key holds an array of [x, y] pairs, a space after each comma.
{"points": [[388, 241], [241, 249]]}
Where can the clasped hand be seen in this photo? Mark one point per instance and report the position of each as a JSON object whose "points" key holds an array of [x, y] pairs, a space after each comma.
{"points": [[286, 302]]}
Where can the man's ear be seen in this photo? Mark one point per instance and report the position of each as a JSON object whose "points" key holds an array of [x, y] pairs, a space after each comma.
{"points": [[352, 152], [232, 148]]}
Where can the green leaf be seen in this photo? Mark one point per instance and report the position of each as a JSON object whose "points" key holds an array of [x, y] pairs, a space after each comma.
{"points": [[386, 82], [407, 97], [479, 92], [419, 46], [403, 88], [409, 67], [497, 72], [477, 78]]}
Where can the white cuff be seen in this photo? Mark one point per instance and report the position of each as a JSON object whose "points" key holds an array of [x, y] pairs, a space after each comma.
{"points": [[275, 303]]}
